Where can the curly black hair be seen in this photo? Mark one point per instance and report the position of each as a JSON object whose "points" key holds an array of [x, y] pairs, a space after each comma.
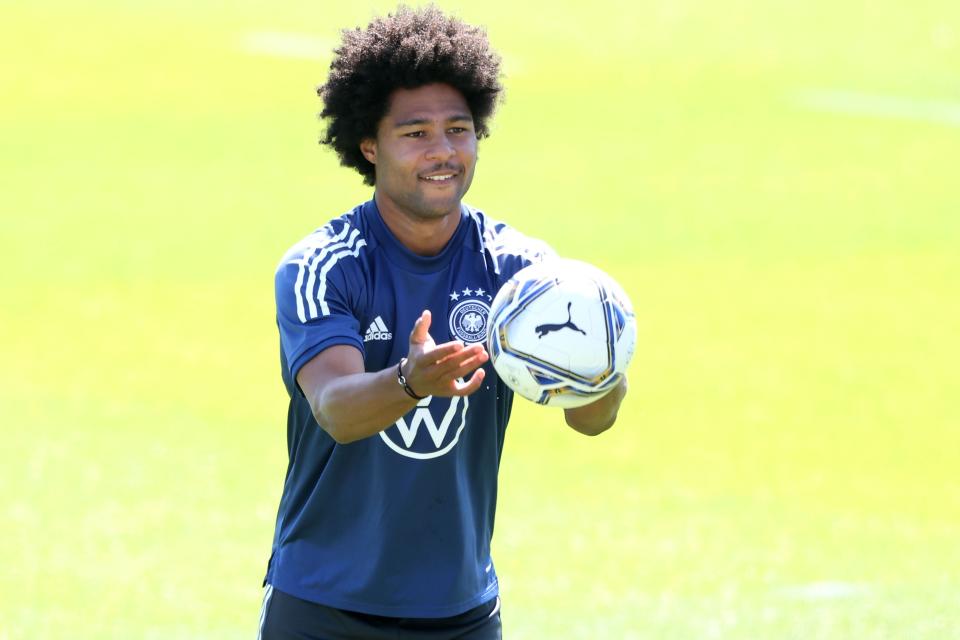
{"points": [[404, 50]]}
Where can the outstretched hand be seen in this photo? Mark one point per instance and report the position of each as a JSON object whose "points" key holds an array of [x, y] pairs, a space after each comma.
{"points": [[438, 370]]}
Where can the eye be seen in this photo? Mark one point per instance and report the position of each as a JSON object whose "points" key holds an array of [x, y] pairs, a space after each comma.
{"points": [[457, 129], [414, 134]]}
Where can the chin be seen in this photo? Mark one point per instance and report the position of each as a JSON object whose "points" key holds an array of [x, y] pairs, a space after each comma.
{"points": [[437, 208], [436, 214]]}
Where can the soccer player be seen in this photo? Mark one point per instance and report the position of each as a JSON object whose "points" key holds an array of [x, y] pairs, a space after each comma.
{"points": [[396, 420]]}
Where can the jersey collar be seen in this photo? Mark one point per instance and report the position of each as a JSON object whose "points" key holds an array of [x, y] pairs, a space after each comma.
{"points": [[401, 256]]}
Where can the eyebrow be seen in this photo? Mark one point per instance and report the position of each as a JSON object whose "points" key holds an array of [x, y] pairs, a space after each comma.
{"points": [[459, 117]]}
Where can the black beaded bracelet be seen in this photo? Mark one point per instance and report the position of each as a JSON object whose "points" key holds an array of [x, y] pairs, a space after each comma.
{"points": [[403, 381]]}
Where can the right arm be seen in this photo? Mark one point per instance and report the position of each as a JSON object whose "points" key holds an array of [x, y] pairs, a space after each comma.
{"points": [[351, 404]]}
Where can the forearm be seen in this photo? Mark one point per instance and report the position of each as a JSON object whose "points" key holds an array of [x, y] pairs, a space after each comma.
{"points": [[597, 417], [351, 404], [359, 405]]}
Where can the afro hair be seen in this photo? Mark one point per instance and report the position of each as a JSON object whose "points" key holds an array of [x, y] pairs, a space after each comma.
{"points": [[404, 50]]}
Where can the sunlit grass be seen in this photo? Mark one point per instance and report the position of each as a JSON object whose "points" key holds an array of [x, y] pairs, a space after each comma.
{"points": [[785, 464]]}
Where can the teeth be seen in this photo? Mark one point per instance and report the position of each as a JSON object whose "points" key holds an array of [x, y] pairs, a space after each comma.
{"points": [[438, 178]]}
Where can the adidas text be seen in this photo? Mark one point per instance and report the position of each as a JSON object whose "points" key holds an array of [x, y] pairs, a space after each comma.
{"points": [[377, 331]]}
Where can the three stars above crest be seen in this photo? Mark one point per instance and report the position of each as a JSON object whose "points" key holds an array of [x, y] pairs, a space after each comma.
{"points": [[478, 292]]}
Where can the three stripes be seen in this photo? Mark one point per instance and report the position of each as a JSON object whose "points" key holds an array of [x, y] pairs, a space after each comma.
{"points": [[315, 264]]}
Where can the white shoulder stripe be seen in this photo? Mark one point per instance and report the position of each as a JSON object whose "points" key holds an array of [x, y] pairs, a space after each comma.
{"points": [[303, 261], [501, 240], [328, 253], [322, 291], [316, 260]]}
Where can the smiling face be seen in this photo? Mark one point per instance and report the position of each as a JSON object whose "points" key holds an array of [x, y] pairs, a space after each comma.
{"points": [[424, 154]]}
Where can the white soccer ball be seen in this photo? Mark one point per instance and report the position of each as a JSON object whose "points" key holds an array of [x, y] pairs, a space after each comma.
{"points": [[561, 333]]}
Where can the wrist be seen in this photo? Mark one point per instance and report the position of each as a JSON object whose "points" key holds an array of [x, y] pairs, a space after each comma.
{"points": [[402, 381]]}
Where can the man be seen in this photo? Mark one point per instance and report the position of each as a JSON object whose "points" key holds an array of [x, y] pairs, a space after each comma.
{"points": [[396, 419]]}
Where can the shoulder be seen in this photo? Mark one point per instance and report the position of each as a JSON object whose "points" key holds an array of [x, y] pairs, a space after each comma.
{"points": [[343, 236], [327, 258], [509, 248]]}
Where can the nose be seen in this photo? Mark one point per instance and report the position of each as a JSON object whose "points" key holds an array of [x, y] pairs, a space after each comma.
{"points": [[441, 150]]}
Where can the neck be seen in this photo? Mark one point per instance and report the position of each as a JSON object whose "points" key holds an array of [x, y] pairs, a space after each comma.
{"points": [[422, 235]]}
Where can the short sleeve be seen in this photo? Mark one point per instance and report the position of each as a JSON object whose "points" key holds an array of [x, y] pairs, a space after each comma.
{"points": [[314, 308], [513, 250]]}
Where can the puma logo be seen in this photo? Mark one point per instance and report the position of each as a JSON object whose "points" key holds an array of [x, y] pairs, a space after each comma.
{"points": [[544, 329]]}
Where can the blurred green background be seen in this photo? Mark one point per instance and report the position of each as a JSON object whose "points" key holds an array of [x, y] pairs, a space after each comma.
{"points": [[774, 183]]}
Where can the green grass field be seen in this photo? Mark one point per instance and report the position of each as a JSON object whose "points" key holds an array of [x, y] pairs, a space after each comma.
{"points": [[773, 183]]}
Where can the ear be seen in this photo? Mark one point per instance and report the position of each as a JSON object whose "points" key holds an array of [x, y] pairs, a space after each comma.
{"points": [[368, 147]]}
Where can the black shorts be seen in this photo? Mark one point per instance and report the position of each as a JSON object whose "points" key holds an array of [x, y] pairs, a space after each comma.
{"points": [[285, 617]]}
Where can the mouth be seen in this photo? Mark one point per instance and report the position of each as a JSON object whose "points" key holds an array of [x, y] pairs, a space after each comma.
{"points": [[440, 178]]}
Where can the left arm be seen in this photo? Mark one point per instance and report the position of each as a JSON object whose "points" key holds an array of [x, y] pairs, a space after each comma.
{"points": [[595, 418]]}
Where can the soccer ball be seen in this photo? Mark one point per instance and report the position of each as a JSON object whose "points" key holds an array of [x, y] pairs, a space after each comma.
{"points": [[561, 333]]}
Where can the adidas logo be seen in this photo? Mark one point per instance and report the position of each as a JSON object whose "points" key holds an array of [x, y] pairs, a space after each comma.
{"points": [[377, 331]]}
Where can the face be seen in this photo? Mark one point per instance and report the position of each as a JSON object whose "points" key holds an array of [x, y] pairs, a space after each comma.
{"points": [[425, 151]]}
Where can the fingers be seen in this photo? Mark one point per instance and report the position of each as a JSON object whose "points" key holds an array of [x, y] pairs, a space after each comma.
{"points": [[438, 370], [465, 389], [443, 352], [460, 364], [421, 328]]}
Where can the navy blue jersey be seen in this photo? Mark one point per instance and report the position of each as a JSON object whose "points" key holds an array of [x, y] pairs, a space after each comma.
{"points": [[397, 524]]}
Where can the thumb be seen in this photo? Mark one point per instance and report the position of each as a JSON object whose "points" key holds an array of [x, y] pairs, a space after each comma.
{"points": [[421, 328]]}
